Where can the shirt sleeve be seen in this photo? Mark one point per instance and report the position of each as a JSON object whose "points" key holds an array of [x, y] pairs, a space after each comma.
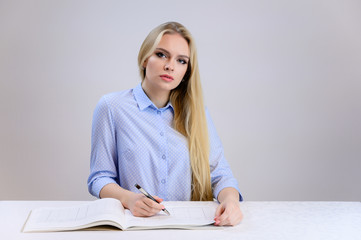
{"points": [[103, 159], [221, 174]]}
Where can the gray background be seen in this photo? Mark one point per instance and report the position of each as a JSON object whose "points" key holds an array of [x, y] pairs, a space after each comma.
{"points": [[282, 81]]}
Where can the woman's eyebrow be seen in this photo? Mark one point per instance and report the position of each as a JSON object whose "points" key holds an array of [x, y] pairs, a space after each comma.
{"points": [[167, 52]]}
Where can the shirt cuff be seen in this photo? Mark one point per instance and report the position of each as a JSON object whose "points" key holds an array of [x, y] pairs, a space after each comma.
{"points": [[98, 184]]}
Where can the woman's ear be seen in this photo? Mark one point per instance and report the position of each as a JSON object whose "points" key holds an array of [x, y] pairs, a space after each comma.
{"points": [[145, 63]]}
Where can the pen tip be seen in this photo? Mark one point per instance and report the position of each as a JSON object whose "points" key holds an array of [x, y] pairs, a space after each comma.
{"points": [[137, 186]]}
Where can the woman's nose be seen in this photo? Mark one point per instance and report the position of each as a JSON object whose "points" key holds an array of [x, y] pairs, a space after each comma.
{"points": [[169, 66]]}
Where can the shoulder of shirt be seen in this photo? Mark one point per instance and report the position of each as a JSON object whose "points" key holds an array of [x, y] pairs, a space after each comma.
{"points": [[118, 98]]}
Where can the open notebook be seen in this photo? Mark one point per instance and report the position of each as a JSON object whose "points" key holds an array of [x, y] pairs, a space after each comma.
{"points": [[110, 212]]}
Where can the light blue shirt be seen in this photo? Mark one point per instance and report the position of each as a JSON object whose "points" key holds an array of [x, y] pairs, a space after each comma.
{"points": [[133, 141]]}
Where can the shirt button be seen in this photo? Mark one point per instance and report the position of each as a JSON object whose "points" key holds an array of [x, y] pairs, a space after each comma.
{"points": [[162, 134], [163, 181], [158, 112], [163, 157]]}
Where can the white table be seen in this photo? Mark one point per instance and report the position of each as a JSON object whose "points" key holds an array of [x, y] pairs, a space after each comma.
{"points": [[262, 220]]}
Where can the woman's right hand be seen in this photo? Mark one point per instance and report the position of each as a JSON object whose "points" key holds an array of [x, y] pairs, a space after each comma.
{"points": [[141, 206], [137, 203]]}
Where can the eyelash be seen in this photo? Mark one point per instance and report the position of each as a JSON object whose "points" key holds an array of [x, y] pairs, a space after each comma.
{"points": [[159, 54], [182, 61], [162, 55]]}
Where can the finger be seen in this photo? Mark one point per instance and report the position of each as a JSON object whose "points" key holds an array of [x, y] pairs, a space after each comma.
{"points": [[140, 212], [239, 217], [236, 217], [143, 209], [219, 211], [223, 219], [227, 216], [153, 206], [231, 218]]}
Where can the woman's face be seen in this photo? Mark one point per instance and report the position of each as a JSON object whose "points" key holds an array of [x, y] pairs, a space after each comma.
{"points": [[166, 67]]}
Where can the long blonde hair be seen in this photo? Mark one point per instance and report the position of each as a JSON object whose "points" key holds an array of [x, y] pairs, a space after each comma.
{"points": [[189, 114]]}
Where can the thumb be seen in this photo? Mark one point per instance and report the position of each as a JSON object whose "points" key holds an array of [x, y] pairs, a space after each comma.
{"points": [[219, 211]]}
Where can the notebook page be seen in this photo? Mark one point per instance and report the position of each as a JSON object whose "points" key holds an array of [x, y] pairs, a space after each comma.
{"points": [[181, 214], [66, 218]]}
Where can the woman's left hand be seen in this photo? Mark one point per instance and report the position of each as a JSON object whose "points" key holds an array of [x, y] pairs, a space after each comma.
{"points": [[228, 212]]}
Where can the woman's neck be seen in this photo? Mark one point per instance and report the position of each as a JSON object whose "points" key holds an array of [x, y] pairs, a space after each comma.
{"points": [[159, 97]]}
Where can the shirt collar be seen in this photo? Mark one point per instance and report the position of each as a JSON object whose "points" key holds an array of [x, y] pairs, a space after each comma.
{"points": [[143, 100]]}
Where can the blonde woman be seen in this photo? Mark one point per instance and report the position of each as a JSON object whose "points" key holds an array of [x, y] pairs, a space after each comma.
{"points": [[160, 135]]}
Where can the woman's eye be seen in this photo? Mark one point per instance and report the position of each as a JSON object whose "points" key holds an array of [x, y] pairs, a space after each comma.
{"points": [[182, 61], [159, 54]]}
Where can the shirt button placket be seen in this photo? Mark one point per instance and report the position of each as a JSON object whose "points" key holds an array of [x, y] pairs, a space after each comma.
{"points": [[163, 154]]}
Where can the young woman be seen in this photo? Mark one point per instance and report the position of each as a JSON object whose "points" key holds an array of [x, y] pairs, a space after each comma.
{"points": [[160, 136]]}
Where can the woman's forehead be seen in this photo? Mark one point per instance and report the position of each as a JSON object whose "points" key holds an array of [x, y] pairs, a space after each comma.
{"points": [[175, 44]]}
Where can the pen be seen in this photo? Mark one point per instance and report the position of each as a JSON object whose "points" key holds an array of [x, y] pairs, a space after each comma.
{"points": [[150, 197]]}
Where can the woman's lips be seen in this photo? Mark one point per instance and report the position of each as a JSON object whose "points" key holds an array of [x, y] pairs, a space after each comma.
{"points": [[166, 77]]}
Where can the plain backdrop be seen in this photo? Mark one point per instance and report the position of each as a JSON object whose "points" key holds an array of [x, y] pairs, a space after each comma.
{"points": [[281, 79]]}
